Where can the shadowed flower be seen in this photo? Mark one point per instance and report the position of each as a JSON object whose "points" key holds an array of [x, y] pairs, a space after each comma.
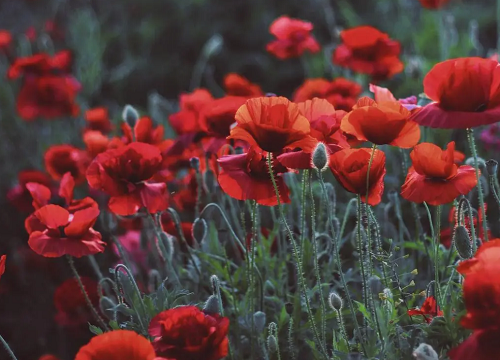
{"points": [[186, 332], [237, 85], [98, 120], [60, 159], [20, 196], [367, 50], [272, 124], [72, 309], [144, 131], [490, 137], [433, 4], [3, 259], [428, 310], [217, 116], [123, 174], [96, 142], [481, 345], [5, 40], [434, 176], [465, 91], [48, 357], [131, 242], [187, 119], [350, 168]]}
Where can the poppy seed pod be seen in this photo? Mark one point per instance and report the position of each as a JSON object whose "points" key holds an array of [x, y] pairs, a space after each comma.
{"points": [[199, 230], [492, 167], [259, 319], [462, 242], [320, 159], [425, 352], [272, 344], [211, 305], [335, 301], [130, 115]]}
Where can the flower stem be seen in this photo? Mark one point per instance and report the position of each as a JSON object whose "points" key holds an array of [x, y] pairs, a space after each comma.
{"points": [[7, 348], [435, 238], [359, 239]]}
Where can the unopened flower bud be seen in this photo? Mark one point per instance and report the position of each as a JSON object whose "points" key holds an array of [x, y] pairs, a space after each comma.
{"points": [[214, 280], [211, 305], [259, 319], [320, 157], [130, 115], [492, 167], [199, 230], [272, 344], [425, 352], [195, 163], [289, 308], [462, 242], [154, 280], [269, 288], [335, 301], [414, 272], [375, 285]]}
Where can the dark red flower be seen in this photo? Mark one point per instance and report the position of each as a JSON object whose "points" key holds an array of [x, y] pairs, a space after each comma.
{"points": [[217, 116], [433, 4], [98, 120], [465, 91], [237, 85], [434, 176], [3, 259], [118, 345], [72, 310], [60, 159], [367, 50], [481, 345], [96, 142], [428, 310], [341, 93], [186, 332], [123, 174], [350, 168], [187, 119], [41, 64], [246, 177], [20, 196], [55, 232]]}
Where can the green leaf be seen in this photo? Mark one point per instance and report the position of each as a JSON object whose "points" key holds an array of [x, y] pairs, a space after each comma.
{"points": [[95, 330]]}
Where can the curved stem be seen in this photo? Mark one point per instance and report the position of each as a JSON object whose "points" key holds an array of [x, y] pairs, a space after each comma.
{"points": [[7, 348]]}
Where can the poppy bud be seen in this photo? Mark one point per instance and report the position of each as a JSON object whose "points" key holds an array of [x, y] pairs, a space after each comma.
{"points": [[199, 229], [168, 245], [375, 285], [259, 319], [425, 352], [214, 280], [195, 163], [106, 306], [272, 344], [209, 181], [335, 301], [430, 290], [492, 167], [289, 308], [211, 305], [213, 46], [130, 115], [154, 280], [269, 288], [462, 242], [320, 157]]}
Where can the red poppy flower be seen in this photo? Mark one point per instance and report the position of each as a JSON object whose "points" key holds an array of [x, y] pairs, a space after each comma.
{"points": [[187, 119], [381, 123], [131, 242], [217, 116], [293, 38], [246, 177], [272, 124], [117, 345], [3, 259], [466, 92], [481, 345], [433, 4], [237, 85], [5, 40], [72, 309], [41, 64], [350, 168], [19, 195], [98, 119], [341, 93], [55, 232], [187, 333], [428, 310], [60, 159], [367, 50], [186, 196], [96, 142], [489, 252], [434, 176], [123, 174], [382, 94]]}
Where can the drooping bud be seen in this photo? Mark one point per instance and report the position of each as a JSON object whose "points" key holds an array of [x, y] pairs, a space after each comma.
{"points": [[259, 319], [211, 305], [130, 115], [335, 301], [425, 352], [492, 167], [272, 344], [462, 242], [319, 158], [199, 230]]}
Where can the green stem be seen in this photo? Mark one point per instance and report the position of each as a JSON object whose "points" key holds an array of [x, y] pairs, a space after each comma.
{"points": [[359, 240], [7, 348], [435, 238]]}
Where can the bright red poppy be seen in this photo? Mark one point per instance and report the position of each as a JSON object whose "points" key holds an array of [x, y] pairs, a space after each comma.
{"points": [[481, 345], [98, 120], [272, 124], [117, 345], [367, 50], [123, 174], [293, 38], [433, 4], [3, 259], [434, 176], [187, 119], [381, 123], [60, 159], [54, 232], [488, 253], [341, 93], [237, 85], [382, 94], [186, 332], [72, 309], [465, 91], [19, 195], [96, 142], [429, 310], [350, 168]]}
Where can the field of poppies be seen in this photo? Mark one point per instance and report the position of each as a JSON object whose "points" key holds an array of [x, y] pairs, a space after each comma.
{"points": [[311, 180]]}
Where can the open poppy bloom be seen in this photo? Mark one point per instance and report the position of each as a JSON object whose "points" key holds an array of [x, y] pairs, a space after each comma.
{"points": [[117, 345], [293, 38], [187, 120], [341, 93], [60, 159], [465, 91], [367, 50], [237, 85], [381, 123], [55, 232], [123, 174], [350, 168], [186, 332], [98, 120], [72, 309], [383, 94], [428, 310], [20, 196], [433, 4], [246, 177], [3, 259], [96, 142], [434, 176], [272, 124], [144, 131]]}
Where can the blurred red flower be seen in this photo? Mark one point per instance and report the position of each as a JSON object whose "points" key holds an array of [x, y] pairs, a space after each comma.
{"points": [[367, 50], [168, 226], [434, 176], [5, 40], [123, 174], [428, 310], [272, 124], [350, 168], [186, 332], [217, 116], [187, 119], [465, 91], [60, 159], [246, 177], [20, 196], [131, 242], [144, 131], [96, 142], [341, 93], [3, 259], [54, 232], [48, 357], [237, 85], [72, 309], [433, 4], [481, 345], [98, 119], [117, 345], [381, 123]]}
